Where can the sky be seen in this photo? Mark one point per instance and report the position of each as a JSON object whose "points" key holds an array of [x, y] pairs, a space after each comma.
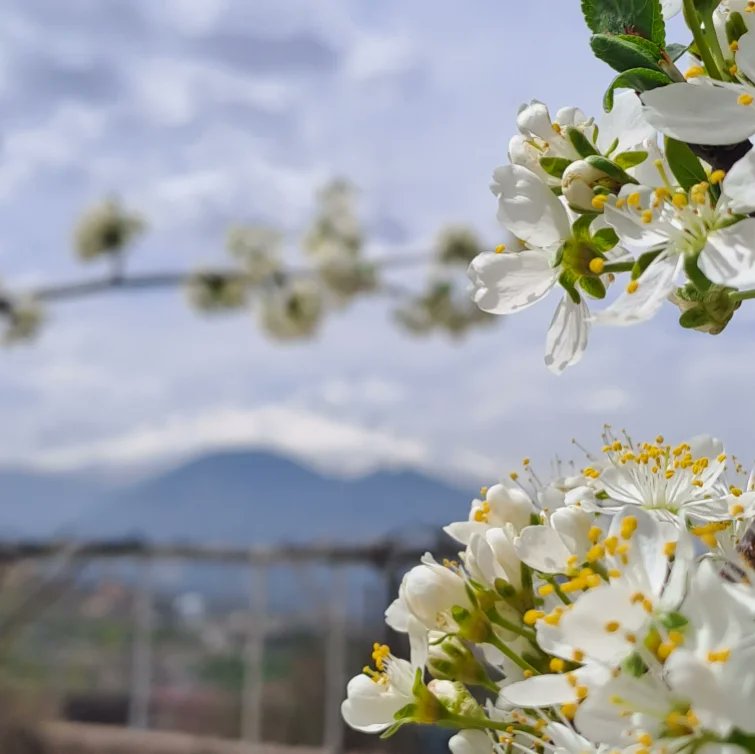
{"points": [[202, 113]]}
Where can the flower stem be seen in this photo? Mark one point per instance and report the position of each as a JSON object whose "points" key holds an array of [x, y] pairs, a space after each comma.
{"points": [[499, 620], [742, 295], [693, 22], [513, 656]]}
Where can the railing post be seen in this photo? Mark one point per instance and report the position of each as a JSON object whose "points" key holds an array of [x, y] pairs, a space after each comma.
{"points": [[141, 658], [254, 655], [335, 661]]}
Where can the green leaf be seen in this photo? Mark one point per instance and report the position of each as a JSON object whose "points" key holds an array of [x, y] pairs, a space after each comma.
{"points": [[643, 262], [605, 239], [641, 17], [554, 166], [639, 79], [735, 27], [580, 142], [628, 160], [624, 52], [566, 281], [675, 51], [592, 286], [684, 164]]}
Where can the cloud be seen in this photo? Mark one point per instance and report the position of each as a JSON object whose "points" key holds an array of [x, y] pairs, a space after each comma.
{"points": [[344, 447]]}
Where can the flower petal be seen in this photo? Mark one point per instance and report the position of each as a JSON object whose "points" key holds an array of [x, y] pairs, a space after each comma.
{"points": [[700, 113], [567, 335], [505, 283], [541, 548], [528, 209], [729, 256], [626, 122], [656, 283], [739, 184]]}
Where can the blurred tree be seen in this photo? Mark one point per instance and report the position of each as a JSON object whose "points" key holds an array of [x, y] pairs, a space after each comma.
{"points": [[290, 302]]}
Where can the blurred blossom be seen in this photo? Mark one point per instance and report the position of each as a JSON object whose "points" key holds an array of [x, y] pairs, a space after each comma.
{"points": [[105, 228], [212, 292], [23, 321], [257, 248], [336, 225], [458, 245], [293, 310]]}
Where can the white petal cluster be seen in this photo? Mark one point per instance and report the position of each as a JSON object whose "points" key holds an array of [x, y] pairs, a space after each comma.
{"points": [[585, 204], [608, 610]]}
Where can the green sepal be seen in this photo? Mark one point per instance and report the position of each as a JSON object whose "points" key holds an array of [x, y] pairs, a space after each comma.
{"points": [[634, 665], [694, 318], [676, 50], [581, 227], [592, 286], [643, 262], [735, 27], [684, 164], [627, 160], [567, 280], [696, 275], [639, 79], [554, 166], [580, 142], [610, 168], [673, 620], [605, 239], [640, 17], [625, 51]]}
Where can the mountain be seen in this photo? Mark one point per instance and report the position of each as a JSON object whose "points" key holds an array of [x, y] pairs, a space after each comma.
{"points": [[243, 497], [38, 504]]}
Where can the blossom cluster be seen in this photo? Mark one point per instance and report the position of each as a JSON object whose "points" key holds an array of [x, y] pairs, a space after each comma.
{"points": [[632, 210], [608, 608]]}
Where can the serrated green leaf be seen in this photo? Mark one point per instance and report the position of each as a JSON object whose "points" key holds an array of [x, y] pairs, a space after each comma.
{"points": [[580, 142], [627, 160], [624, 52], [605, 239], [639, 79], [554, 166], [640, 17], [684, 164]]}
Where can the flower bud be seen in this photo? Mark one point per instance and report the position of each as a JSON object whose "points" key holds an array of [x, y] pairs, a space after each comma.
{"points": [[578, 182], [453, 660], [455, 697], [709, 312]]}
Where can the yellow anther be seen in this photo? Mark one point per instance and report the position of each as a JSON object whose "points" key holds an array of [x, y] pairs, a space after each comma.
{"points": [[545, 590], [733, 69], [734, 46], [676, 637], [599, 202], [577, 655], [525, 461], [581, 692], [669, 549], [594, 534], [556, 665], [737, 509], [569, 711], [680, 201], [721, 655], [483, 492], [694, 71], [500, 248], [611, 544], [612, 626], [736, 491], [597, 265], [595, 553], [614, 573], [532, 616], [628, 527], [645, 739], [745, 99], [528, 673], [380, 652], [664, 650], [659, 439], [647, 216], [513, 476], [633, 200], [482, 513], [633, 286]]}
